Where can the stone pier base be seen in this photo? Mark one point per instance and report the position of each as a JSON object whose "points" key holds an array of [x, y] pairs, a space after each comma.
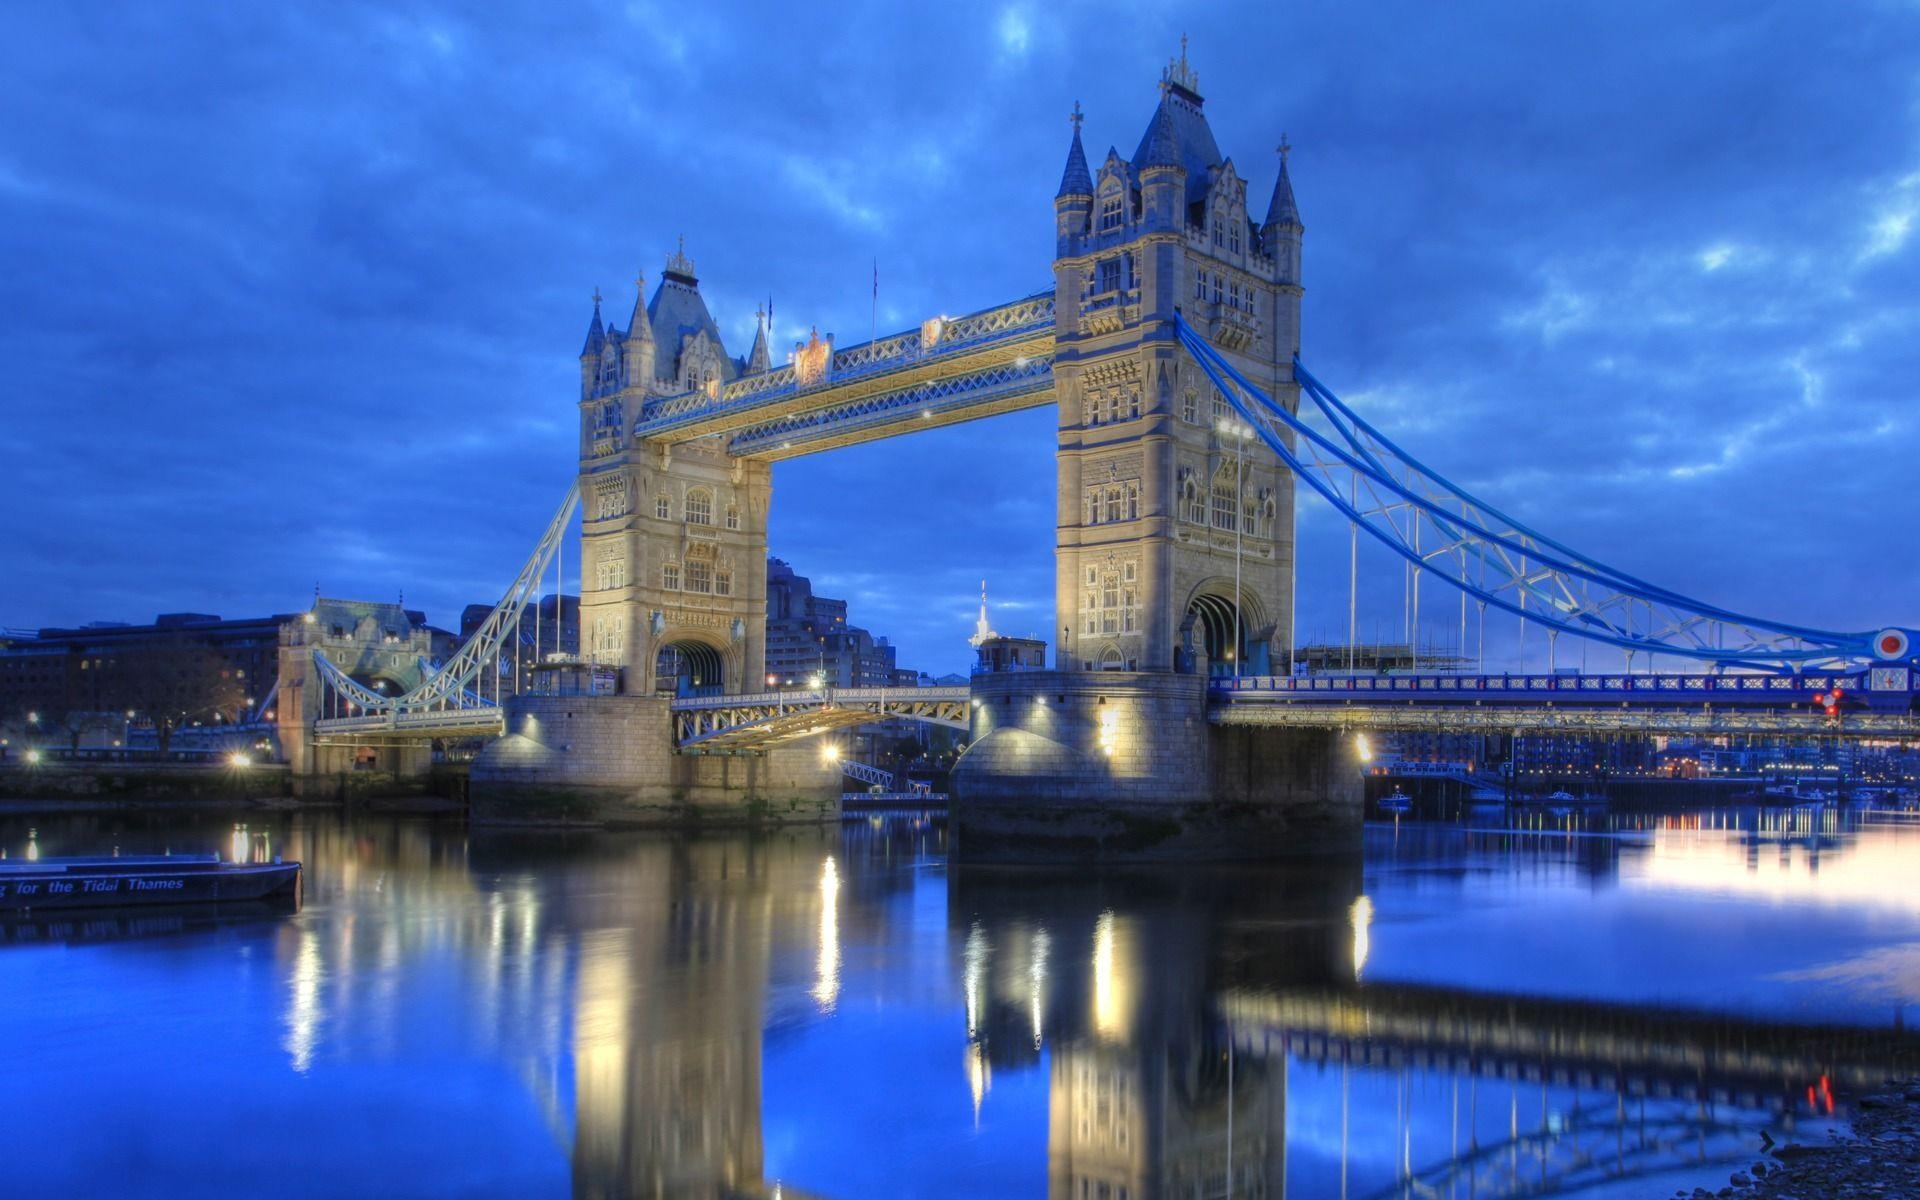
{"points": [[609, 760], [1122, 766]]}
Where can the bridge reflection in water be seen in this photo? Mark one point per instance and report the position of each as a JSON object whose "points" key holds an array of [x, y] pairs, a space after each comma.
{"points": [[665, 1003]]}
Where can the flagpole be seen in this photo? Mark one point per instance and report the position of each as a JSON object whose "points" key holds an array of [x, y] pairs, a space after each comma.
{"points": [[873, 327]]}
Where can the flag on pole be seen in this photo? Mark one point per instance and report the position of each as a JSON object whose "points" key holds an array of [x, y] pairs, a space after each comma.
{"points": [[873, 332]]}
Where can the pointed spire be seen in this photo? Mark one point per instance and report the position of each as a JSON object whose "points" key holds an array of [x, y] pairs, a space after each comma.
{"points": [[1180, 74], [639, 328], [1281, 210], [596, 333], [1162, 145], [680, 267], [1076, 180], [981, 629], [758, 359]]}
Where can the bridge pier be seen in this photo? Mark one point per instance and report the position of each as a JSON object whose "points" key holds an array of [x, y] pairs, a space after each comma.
{"points": [[609, 760], [1123, 766]]}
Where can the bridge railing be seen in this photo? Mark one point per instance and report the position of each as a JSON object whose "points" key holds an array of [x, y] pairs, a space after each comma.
{"points": [[816, 697], [1691, 687]]}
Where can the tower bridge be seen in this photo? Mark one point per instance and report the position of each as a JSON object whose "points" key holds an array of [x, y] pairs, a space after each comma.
{"points": [[1171, 722]]}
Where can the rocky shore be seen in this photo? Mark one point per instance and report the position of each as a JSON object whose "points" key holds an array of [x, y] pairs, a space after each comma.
{"points": [[1877, 1159]]}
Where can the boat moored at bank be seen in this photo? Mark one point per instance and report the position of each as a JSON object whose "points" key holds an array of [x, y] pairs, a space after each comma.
{"points": [[141, 880]]}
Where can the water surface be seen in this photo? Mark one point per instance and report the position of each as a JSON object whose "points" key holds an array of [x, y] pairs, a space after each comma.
{"points": [[843, 1012]]}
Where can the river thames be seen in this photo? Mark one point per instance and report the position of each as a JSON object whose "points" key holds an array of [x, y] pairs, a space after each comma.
{"points": [[843, 1012]]}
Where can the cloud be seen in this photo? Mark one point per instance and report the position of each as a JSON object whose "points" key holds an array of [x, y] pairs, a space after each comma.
{"points": [[305, 283]]}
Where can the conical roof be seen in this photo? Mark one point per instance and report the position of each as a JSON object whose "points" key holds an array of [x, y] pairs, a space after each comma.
{"points": [[1076, 180], [758, 359], [1160, 147], [1281, 210], [596, 332], [638, 326]]}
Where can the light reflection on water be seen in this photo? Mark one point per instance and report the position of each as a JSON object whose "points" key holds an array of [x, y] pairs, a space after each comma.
{"points": [[841, 1012]]}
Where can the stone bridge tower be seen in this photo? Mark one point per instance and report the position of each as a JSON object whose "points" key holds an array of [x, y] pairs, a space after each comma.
{"points": [[1164, 500], [673, 538]]}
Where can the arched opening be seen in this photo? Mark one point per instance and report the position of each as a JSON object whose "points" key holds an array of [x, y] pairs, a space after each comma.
{"points": [[688, 669], [384, 685], [1210, 630]]}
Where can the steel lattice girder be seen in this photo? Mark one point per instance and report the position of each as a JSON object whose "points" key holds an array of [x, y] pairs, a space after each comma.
{"points": [[956, 346]]}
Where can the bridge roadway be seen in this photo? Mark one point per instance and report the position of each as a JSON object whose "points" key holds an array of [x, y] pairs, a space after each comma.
{"points": [[1568, 1043], [949, 370], [1673, 704], [1661, 1087], [410, 728]]}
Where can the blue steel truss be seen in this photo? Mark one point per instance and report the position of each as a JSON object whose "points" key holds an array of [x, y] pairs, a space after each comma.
{"points": [[1441, 528], [936, 397], [455, 686]]}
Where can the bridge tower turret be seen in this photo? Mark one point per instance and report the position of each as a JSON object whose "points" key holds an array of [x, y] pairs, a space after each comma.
{"points": [[590, 353], [673, 537], [1175, 527], [1073, 203]]}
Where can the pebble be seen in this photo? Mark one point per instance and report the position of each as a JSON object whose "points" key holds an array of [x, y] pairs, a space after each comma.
{"points": [[1878, 1157]]}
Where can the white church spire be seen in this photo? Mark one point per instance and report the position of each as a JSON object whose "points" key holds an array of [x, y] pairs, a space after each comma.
{"points": [[981, 629]]}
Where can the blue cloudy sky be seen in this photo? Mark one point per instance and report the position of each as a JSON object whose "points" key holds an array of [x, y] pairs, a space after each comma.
{"points": [[291, 293]]}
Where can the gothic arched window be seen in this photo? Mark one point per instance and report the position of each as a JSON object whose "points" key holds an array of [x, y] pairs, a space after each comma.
{"points": [[699, 509], [1226, 497]]}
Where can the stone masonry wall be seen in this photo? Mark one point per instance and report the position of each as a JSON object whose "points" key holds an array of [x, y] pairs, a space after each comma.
{"points": [[1117, 765], [609, 760]]}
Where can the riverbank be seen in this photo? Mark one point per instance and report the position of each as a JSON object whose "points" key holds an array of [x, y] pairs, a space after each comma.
{"points": [[52, 805], [1879, 1157]]}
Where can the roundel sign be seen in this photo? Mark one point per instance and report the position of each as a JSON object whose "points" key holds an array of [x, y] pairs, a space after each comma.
{"points": [[1890, 643]]}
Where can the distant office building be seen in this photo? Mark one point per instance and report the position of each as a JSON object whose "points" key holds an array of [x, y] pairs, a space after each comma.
{"points": [[1576, 756], [1376, 658], [1000, 653], [1470, 751], [809, 635], [548, 629], [107, 666]]}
